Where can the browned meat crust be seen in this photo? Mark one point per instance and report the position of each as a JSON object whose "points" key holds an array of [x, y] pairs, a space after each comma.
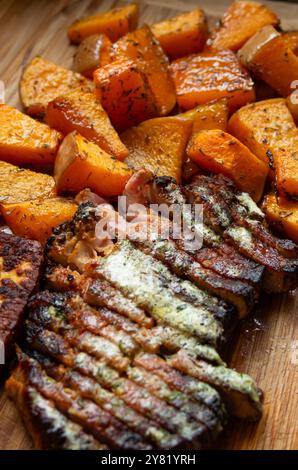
{"points": [[20, 263]]}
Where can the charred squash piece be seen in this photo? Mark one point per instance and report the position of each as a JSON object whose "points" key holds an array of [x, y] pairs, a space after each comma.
{"points": [[142, 44], [282, 214], [93, 52], [158, 145], [276, 62], [36, 219], [19, 185], [114, 23], [241, 21], [219, 152], [42, 81], [125, 94], [267, 128], [81, 164], [80, 111], [182, 35], [211, 75], [24, 141]]}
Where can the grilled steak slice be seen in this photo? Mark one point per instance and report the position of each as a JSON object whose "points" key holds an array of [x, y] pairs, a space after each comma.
{"points": [[131, 271], [63, 248], [48, 427], [96, 292], [242, 397], [155, 340], [223, 259], [20, 263], [48, 331], [237, 219], [240, 294]]}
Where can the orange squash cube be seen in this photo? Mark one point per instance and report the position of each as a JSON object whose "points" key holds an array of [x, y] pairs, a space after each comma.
{"points": [[267, 128], [158, 145], [80, 111], [182, 35], [42, 81], [282, 214], [114, 23], [82, 164], [219, 152], [19, 185], [25, 141], [241, 21], [211, 75], [124, 92], [142, 44], [36, 219], [213, 115]]}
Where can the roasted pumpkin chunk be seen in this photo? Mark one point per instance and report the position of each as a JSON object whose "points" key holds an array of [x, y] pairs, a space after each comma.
{"points": [[267, 128], [219, 152], [282, 214], [182, 35], [25, 141], [241, 21], [124, 92], [276, 62], [42, 81], [213, 115], [114, 23], [158, 145], [211, 75], [141, 44], [18, 185], [80, 111], [36, 219], [82, 164], [93, 52]]}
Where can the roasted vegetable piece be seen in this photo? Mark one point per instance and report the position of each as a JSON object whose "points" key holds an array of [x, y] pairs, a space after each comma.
{"points": [[158, 145], [241, 21], [24, 141], [93, 52], [18, 185], [267, 128], [114, 23], [276, 62], [255, 43], [141, 44], [81, 164], [211, 75], [213, 115], [80, 111], [182, 35], [36, 219], [42, 81], [282, 214], [219, 152], [124, 92], [292, 103]]}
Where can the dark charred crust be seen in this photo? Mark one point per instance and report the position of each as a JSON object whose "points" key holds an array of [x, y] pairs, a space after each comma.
{"points": [[20, 266]]}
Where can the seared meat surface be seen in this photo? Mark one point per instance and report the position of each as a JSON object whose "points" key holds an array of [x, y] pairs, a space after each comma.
{"points": [[20, 264], [122, 350]]}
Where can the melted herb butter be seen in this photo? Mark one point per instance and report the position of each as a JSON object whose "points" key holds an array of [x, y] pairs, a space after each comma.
{"points": [[250, 205], [242, 236], [131, 270]]}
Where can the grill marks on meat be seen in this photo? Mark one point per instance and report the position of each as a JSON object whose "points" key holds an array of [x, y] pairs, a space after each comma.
{"points": [[238, 220], [215, 254], [20, 263], [88, 374]]}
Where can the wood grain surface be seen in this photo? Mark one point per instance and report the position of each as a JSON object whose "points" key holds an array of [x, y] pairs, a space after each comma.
{"points": [[266, 344]]}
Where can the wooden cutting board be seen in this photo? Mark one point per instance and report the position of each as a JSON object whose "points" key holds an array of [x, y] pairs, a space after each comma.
{"points": [[266, 344]]}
